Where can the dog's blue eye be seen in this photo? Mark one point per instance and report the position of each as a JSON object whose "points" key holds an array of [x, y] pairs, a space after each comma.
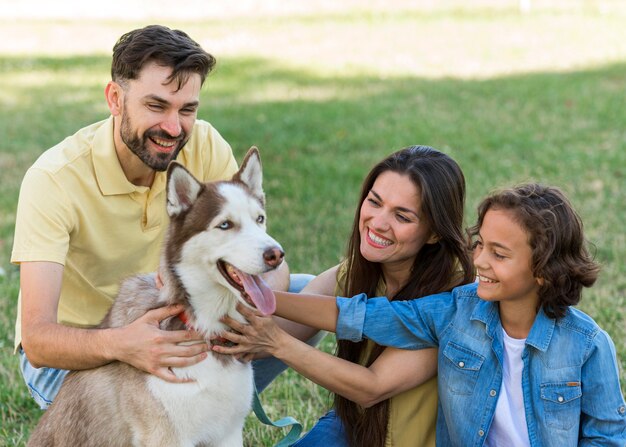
{"points": [[226, 225], [260, 219]]}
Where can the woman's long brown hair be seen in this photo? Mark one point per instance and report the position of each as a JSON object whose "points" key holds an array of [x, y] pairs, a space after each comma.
{"points": [[437, 267]]}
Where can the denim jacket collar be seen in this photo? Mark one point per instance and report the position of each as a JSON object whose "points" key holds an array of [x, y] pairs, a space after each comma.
{"points": [[487, 312], [540, 333]]}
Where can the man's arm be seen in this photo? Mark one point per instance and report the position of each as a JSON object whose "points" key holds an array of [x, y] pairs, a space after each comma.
{"points": [[141, 343]]}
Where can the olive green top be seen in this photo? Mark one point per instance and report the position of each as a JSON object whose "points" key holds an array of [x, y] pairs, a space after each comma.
{"points": [[413, 413]]}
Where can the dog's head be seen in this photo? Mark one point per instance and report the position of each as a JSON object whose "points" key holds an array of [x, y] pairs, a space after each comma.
{"points": [[217, 234]]}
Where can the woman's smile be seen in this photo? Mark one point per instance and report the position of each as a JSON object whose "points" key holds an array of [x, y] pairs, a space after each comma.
{"points": [[391, 230], [377, 240]]}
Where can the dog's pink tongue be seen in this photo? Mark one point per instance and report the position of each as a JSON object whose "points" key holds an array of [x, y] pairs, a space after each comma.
{"points": [[261, 295]]}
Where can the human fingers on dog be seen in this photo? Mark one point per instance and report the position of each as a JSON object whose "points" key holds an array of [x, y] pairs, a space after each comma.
{"points": [[247, 344], [190, 350], [168, 375], [252, 340], [233, 337], [186, 335], [177, 344], [248, 312], [234, 324], [155, 316], [240, 350], [162, 363], [236, 350], [182, 361], [258, 323]]}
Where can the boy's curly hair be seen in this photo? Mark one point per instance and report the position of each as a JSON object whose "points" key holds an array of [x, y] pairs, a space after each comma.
{"points": [[555, 234]]}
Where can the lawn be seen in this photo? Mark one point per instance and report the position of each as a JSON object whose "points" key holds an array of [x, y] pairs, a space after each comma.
{"points": [[325, 94]]}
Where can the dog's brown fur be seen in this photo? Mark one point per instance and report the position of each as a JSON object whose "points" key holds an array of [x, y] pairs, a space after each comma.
{"points": [[113, 405]]}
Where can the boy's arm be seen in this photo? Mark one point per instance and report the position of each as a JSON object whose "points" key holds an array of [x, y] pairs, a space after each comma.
{"points": [[412, 324], [401, 324], [603, 411]]}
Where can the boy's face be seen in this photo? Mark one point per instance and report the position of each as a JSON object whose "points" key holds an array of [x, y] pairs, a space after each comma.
{"points": [[157, 119], [502, 259]]}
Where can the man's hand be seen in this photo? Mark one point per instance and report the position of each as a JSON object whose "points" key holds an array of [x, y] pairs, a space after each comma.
{"points": [[145, 346]]}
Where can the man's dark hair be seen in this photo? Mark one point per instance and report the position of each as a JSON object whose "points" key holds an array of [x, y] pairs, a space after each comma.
{"points": [[166, 47]]}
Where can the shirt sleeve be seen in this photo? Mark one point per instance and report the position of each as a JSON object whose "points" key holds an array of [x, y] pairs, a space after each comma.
{"points": [[222, 165], [603, 418], [44, 220], [413, 324]]}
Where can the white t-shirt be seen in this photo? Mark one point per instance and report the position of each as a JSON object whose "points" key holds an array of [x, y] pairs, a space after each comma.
{"points": [[509, 422]]}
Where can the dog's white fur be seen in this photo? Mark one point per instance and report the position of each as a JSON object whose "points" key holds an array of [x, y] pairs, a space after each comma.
{"points": [[119, 405]]}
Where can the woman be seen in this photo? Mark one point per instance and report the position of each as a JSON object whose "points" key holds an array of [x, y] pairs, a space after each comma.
{"points": [[407, 241], [535, 370]]}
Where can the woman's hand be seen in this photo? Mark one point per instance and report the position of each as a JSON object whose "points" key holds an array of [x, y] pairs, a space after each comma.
{"points": [[260, 336]]}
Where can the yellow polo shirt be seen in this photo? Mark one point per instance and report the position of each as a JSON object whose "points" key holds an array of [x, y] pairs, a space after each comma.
{"points": [[77, 208]]}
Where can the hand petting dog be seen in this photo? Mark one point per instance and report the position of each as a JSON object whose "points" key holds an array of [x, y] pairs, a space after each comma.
{"points": [[261, 335], [161, 350]]}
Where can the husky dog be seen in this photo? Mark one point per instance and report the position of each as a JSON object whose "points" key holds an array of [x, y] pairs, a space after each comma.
{"points": [[216, 244]]}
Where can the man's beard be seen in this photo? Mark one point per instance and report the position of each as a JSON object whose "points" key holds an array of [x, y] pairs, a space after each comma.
{"points": [[138, 145]]}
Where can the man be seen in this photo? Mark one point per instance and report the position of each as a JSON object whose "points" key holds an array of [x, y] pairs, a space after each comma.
{"points": [[92, 211]]}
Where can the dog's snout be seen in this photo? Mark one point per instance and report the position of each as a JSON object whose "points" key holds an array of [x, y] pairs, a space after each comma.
{"points": [[273, 256]]}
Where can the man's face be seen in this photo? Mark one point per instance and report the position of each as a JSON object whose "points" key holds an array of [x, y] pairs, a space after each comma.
{"points": [[157, 119]]}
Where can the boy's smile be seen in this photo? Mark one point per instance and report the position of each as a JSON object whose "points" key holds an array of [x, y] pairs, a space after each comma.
{"points": [[503, 261]]}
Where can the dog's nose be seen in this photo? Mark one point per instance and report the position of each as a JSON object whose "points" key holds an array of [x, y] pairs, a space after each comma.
{"points": [[273, 256]]}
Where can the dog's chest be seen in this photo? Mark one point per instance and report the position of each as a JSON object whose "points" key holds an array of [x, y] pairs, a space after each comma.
{"points": [[211, 407]]}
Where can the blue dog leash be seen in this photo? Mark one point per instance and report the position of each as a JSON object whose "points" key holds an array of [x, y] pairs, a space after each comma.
{"points": [[296, 427]]}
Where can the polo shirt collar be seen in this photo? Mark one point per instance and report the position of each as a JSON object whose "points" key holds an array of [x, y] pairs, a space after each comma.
{"points": [[109, 174]]}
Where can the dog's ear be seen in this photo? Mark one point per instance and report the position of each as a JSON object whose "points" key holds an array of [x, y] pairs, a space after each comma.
{"points": [[251, 173], [182, 189]]}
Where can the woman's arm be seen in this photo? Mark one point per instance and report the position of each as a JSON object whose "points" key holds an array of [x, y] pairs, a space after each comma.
{"points": [[318, 311], [322, 284], [314, 307], [393, 372]]}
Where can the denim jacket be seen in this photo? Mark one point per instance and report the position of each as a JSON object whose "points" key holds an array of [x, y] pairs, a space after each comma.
{"points": [[570, 379]]}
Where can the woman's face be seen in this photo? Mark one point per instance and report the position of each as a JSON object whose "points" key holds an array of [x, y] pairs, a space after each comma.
{"points": [[391, 226]]}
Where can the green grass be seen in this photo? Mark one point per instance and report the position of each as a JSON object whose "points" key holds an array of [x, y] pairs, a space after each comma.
{"points": [[324, 96]]}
